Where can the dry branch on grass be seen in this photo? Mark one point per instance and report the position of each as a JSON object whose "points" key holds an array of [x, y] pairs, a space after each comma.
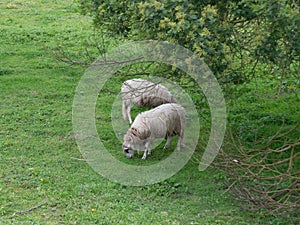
{"points": [[30, 209], [267, 177]]}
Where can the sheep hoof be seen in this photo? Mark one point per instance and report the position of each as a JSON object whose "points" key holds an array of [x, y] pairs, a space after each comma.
{"points": [[144, 157]]}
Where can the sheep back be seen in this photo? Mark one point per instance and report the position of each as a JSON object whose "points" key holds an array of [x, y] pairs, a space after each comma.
{"points": [[162, 121], [144, 93]]}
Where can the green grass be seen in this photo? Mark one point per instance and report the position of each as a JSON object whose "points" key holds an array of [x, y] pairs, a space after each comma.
{"points": [[42, 180]]}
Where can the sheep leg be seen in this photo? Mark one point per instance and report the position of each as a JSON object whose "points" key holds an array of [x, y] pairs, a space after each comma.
{"points": [[178, 145], [180, 141], [147, 151], [168, 142], [145, 155], [126, 108], [128, 114]]}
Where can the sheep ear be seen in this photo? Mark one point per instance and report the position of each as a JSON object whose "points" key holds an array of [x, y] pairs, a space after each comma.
{"points": [[144, 134], [134, 131]]}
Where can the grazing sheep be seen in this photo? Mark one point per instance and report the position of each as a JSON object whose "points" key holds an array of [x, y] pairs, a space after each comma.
{"points": [[143, 93], [164, 121]]}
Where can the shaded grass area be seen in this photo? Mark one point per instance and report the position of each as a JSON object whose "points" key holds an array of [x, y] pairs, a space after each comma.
{"points": [[42, 177]]}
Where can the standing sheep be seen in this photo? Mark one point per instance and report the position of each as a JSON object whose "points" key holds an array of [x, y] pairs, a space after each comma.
{"points": [[143, 93], [166, 120]]}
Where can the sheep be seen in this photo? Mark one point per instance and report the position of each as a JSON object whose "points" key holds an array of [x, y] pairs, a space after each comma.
{"points": [[143, 93], [164, 121]]}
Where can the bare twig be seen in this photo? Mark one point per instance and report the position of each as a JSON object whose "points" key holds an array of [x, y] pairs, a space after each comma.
{"points": [[266, 177], [78, 159], [30, 209]]}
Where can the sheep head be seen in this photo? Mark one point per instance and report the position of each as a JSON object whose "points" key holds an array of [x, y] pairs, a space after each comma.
{"points": [[134, 140]]}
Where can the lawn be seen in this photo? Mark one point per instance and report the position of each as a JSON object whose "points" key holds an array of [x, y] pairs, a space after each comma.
{"points": [[43, 177]]}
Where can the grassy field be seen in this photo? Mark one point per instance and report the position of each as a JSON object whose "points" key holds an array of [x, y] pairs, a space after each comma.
{"points": [[42, 180]]}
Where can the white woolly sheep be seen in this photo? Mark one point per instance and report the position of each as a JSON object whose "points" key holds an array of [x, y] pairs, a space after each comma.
{"points": [[164, 121], [143, 93]]}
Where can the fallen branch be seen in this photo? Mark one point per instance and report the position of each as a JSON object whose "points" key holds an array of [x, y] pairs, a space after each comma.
{"points": [[30, 209], [266, 176], [78, 159]]}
